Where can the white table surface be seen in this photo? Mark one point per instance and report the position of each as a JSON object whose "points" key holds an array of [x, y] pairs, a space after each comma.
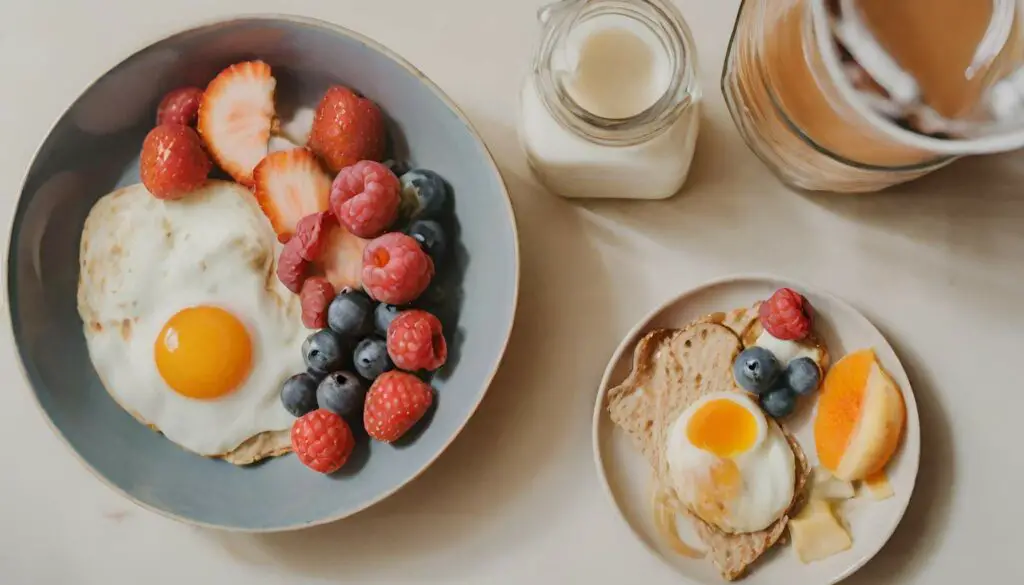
{"points": [[939, 267]]}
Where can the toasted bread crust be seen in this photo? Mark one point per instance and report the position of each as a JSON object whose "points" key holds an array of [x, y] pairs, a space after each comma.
{"points": [[671, 370]]}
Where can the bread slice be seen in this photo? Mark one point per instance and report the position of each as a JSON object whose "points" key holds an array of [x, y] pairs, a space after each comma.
{"points": [[671, 370]]}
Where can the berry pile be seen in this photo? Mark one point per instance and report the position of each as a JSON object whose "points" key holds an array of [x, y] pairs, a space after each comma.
{"points": [[785, 316], [362, 243]]}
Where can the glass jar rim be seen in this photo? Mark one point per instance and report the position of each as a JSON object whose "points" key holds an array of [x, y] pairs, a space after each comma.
{"points": [[666, 21]]}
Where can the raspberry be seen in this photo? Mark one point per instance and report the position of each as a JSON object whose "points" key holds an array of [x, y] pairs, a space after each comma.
{"points": [[395, 269], [291, 266], [396, 401], [315, 296], [179, 106], [311, 232], [365, 198], [322, 440], [416, 342], [786, 315]]}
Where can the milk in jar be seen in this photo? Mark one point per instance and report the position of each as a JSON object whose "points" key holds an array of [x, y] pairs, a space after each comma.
{"points": [[610, 108]]}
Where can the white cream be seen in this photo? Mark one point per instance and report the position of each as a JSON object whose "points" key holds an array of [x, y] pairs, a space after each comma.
{"points": [[786, 351]]}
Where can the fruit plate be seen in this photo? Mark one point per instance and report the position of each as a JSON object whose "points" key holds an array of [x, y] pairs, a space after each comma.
{"points": [[627, 476], [94, 148]]}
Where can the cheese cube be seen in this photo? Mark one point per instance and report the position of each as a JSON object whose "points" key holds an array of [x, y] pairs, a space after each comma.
{"points": [[816, 533]]}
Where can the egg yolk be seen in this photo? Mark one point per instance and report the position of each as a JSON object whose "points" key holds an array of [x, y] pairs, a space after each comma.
{"points": [[722, 427], [203, 352]]}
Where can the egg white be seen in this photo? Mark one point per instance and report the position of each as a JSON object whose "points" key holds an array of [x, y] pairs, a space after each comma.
{"points": [[767, 470], [142, 261]]}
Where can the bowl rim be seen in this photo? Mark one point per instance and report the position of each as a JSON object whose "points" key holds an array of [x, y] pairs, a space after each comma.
{"points": [[376, 46]]}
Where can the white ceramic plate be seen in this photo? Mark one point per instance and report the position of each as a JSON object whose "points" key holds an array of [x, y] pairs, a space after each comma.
{"points": [[627, 476]]}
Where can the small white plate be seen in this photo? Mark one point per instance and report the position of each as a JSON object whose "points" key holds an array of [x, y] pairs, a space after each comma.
{"points": [[627, 476]]}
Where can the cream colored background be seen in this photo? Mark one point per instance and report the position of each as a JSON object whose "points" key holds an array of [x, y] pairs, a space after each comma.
{"points": [[939, 267]]}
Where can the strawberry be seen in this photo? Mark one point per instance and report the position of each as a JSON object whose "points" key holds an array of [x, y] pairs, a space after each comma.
{"points": [[173, 163], [347, 129], [395, 402], [341, 258], [289, 185], [179, 106], [235, 117]]}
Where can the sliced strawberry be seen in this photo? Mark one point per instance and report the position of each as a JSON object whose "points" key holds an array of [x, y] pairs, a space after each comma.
{"points": [[290, 185], [342, 258], [235, 117]]}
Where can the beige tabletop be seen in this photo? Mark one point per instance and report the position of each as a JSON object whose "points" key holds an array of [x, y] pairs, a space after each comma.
{"points": [[938, 266]]}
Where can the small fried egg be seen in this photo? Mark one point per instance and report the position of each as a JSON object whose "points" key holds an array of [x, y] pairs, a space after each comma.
{"points": [[729, 466], [186, 323]]}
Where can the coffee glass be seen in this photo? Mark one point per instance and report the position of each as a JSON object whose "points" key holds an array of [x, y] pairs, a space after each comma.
{"points": [[790, 92]]}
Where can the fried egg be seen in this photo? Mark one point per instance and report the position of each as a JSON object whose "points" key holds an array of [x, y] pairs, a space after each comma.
{"points": [[729, 465], [186, 323]]}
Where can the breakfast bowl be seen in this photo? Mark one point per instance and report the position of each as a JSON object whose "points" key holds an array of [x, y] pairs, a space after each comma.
{"points": [[94, 149]]}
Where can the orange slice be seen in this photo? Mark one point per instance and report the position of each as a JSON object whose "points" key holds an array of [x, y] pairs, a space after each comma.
{"points": [[860, 417]]}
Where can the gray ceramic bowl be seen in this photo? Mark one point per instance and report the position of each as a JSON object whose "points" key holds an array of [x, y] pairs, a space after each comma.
{"points": [[94, 148]]}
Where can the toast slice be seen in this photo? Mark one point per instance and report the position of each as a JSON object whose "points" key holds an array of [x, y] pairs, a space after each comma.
{"points": [[671, 370]]}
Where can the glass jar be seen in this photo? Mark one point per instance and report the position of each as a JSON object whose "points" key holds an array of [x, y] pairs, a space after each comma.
{"points": [[790, 92], [610, 108]]}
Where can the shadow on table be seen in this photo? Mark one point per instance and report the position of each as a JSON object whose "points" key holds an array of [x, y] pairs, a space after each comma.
{"points": [[972, 210], [926, 521]]}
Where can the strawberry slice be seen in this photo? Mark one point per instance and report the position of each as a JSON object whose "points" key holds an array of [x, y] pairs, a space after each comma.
{"points": [[289, 185], [235, 117], [342, 258]]}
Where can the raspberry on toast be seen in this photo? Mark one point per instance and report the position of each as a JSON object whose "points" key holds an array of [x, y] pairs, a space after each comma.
{"points": [[290, 185], [672, 369], [235, 117]]}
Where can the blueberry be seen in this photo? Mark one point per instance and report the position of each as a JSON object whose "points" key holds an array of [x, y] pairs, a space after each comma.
{"points": [[424, 194], [435, 296], [802, 375], [383, 315], [779, 403], [756, 369], [298, 394], [350, 314], [342, 393], [431, 238], [371, 358], [324, 351]]}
